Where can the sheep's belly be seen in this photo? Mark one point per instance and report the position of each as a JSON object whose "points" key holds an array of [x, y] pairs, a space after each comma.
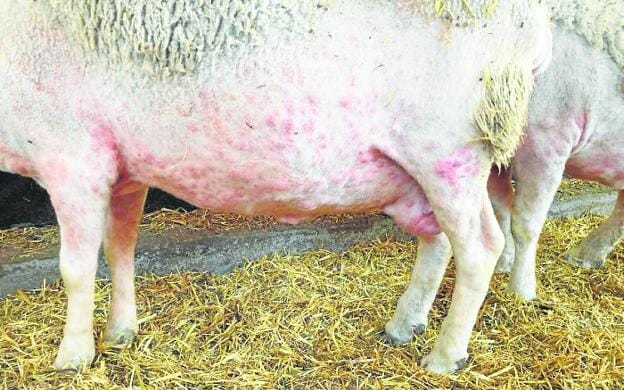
{"points": [[300, 155]]}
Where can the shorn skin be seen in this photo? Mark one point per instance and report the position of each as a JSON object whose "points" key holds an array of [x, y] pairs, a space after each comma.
{"points": [[576, 126], [297, 109]]}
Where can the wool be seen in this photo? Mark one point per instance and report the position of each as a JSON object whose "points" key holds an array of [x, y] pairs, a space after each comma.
{"points": [[502, 115], [173, 37], [166, 38], [600, 22], [459, 12]]}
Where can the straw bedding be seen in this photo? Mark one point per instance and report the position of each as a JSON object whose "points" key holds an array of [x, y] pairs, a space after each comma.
{"points": [[311, 321]]}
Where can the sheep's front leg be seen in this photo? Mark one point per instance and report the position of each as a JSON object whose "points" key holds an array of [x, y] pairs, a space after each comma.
{"points": [[594, 249], [124, 216], [81, 216]]}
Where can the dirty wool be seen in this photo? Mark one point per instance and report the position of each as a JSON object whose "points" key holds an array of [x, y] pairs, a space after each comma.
{"points": [[503, 111], [312, 320], [601, 22], [173, 37]]}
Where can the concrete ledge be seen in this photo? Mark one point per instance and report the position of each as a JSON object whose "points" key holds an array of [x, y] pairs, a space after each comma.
{"points": [[191, 250]]}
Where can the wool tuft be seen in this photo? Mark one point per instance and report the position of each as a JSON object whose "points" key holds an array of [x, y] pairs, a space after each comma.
{"points": [[502, 116], [460, 13]]}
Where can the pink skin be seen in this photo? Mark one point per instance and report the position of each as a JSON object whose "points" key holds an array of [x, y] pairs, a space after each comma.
{"points": [[459, 166], [414, 214]]}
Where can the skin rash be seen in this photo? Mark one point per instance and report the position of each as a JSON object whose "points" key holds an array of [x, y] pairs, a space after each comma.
{"points": [[347, 111]]}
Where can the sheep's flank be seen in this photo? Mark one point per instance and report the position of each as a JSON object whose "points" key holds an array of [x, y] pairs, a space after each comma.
{"points": [[311, 321]]}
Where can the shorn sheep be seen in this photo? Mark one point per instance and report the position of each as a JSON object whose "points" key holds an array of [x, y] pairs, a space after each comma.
{"points": [[576, 126], [276, 107]]}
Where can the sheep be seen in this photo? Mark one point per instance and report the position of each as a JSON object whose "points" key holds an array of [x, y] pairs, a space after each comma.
{"points": [[278, 107], [576, 126]]}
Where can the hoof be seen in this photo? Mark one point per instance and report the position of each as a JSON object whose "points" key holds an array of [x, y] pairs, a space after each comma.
{"points": [[583, 262], [461, 363], [419, 329], [441, 366], [388, 339], [73, 360], [119, 339]]}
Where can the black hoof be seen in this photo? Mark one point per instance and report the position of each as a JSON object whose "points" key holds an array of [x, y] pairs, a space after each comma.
{"points": [[461, 363], [122, 341], [419, 329], [387, 339]]}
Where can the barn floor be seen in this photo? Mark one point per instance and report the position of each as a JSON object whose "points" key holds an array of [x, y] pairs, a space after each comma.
{"points": [[311, 321]]}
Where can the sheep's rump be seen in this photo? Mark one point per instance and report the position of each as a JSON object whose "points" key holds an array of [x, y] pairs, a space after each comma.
{"points": [[601, 22]]}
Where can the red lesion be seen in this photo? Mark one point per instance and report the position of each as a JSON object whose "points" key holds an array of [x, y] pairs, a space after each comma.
{"points": [[461, 164]]}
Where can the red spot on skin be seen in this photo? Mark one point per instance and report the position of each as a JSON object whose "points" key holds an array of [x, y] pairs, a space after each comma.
{"points": [[251, 98], [270, 120], [243, 145], [288, 125], [194, 128], [461, 164], [309, 126], [102, 137]]}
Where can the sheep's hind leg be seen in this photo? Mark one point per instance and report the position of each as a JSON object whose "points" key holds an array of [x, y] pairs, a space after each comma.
{"points": [[410, 316], [477, 243], [462, 208], [124, 216], [593, 250]]}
